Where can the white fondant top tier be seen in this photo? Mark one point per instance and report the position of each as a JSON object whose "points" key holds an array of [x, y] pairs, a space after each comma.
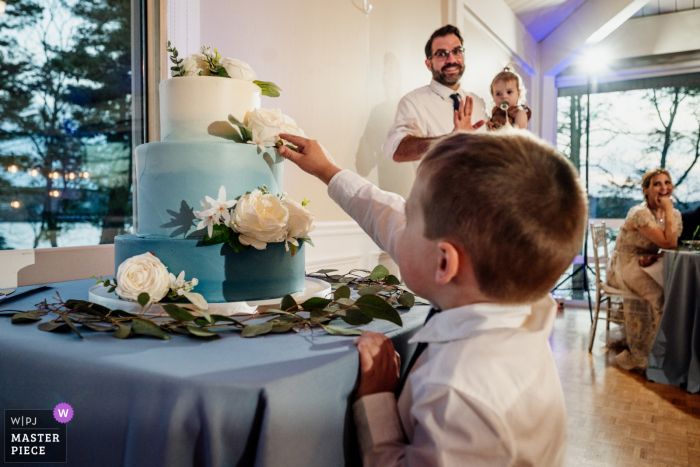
{"points": [[196, 108]]}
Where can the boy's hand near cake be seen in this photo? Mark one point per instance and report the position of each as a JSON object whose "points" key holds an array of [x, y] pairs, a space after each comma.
{"points": [[475, 238]]}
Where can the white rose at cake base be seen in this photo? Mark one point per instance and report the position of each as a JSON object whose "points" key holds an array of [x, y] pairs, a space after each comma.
{"points": [[260, 219], [142, 274], [301, 221], [237, 69]]}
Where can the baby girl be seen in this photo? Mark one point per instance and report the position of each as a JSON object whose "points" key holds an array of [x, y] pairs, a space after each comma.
{"points": [[508, 94]]}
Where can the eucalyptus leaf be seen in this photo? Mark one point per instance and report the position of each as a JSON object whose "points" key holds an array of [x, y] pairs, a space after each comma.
{"points": [[143, 299], [315, 302], [338, 331], [346, 279], [178, 313], [253, 330], [289, 304], [342, 292], [28, 317], [293, 249], [235, 121], [345, 301], [71, 325], [306, 239], [282, 327], [379, 272], [200, 332], [53, 326], [325, 271], [392, 280], [201, 322], [371, 289], [123, 331], [121, 314], [98, 327], [355, 317], [219, 318], [406, 299], [147, 328], [197, 300], [376, 307]]}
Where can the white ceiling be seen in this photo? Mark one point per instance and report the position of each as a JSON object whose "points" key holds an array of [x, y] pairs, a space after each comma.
{"points": [[541, 17]]}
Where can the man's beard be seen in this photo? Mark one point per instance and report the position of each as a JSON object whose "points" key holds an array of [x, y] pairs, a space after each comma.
{"points": [[440, 77]]}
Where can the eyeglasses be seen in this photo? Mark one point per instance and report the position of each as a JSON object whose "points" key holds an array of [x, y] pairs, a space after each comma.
{"points": [[458, 52]]}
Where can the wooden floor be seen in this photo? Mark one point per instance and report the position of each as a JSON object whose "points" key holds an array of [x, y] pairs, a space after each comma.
{"points": [[618, 418]]}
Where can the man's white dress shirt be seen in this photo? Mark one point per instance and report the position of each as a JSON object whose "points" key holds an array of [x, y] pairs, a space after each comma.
{"points": [[484, 392], [429, 111]]}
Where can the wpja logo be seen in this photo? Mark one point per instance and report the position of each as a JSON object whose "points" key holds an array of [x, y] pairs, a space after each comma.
{"points": [[37, 435]]}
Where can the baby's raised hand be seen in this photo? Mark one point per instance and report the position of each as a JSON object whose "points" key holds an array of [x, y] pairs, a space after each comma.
{"points": [[310, 156]]}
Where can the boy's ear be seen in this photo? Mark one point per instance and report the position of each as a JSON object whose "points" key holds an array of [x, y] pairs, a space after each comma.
{"points": [[448, 263]]}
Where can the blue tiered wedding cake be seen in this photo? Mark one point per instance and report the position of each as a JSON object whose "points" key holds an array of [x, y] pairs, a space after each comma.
{"points": [[198, 155]]}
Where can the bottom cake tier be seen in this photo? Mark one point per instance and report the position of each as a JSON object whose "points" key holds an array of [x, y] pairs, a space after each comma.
{"points": [[223, 274]]}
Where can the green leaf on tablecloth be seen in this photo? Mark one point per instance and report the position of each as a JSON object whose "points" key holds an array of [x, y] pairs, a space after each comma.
{"points": [[72, 326], [345, 301], [147, 328], [201, 322], [178, 313], [253, 330], [99, 327], [278, 328], [342, 292], [315, 303], [73, 303], [289, 304], [378, 308], [143, 299], [406, 300], [219, 318], [28, 317], [325, 271], [392, 280], [354, 317], [206, 316], [199, 332], [123, 331], [370, 289], [53, 326], [319, 316], [379, 272], [121, 314], [338, 331], [92, 309]]}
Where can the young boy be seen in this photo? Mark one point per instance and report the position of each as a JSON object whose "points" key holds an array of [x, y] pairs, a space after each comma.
{"points": [[492, 221]]}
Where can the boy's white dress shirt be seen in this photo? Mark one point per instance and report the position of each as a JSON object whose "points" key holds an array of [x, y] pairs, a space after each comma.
{"points": [[426, 112], [484, 392]]}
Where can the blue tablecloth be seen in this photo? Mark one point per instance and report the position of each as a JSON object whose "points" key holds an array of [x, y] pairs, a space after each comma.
{"points": [[274, 400], [675, 355]]}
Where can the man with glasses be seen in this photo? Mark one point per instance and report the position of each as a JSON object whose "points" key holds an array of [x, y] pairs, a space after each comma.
{"points": [[439, 108]]}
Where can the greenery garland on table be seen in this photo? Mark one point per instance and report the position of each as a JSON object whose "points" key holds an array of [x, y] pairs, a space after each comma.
{"points": [[378, 291]]}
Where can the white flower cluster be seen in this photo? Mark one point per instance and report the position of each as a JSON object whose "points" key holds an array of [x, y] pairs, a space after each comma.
{"points": [[198, 64], [267, 124], [259, 218], [147, 274]]}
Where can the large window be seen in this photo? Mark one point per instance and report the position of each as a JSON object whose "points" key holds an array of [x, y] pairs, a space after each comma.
{"points": [[65, 122], [635, 126]]}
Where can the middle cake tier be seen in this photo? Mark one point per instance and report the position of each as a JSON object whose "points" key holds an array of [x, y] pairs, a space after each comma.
{"points": [[172, 179]]}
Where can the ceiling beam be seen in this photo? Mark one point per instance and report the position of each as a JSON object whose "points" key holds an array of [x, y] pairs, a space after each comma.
{"points": [[589, 24]]}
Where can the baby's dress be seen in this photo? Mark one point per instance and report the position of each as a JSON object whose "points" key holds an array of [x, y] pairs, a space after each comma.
{"points": [[498, 116], [625, 273]]}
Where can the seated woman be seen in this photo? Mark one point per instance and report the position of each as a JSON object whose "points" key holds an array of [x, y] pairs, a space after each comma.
{"points": [[649, 226]]}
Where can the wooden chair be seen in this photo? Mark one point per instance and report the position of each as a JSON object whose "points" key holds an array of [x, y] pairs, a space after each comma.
{"points": [[604, 292]]}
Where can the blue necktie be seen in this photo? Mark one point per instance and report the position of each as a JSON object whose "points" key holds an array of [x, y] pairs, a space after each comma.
{"points": [[419, 350], [455, 99]]}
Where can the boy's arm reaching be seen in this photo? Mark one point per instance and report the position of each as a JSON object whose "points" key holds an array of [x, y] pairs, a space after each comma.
{"points": [[381, 214]]}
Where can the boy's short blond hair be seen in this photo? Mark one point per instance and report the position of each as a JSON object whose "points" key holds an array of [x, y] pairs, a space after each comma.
{"points": [[512, 203]]}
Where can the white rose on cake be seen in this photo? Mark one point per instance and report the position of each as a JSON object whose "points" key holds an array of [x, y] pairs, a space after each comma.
{"points": [[290, 127], [190, 66], [265, 125], [301, 221], [260, 219], [142, 274], [237, 69], [202, 63]]}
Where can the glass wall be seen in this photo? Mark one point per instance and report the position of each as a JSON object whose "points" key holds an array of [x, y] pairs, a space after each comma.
{"points": [[65, 122], [635, 126]]}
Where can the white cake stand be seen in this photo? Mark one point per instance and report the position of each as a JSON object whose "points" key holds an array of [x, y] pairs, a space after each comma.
{"points": [[314, 288]]}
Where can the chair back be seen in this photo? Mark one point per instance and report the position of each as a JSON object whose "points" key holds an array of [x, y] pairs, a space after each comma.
{"points": [[599, 239]]}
